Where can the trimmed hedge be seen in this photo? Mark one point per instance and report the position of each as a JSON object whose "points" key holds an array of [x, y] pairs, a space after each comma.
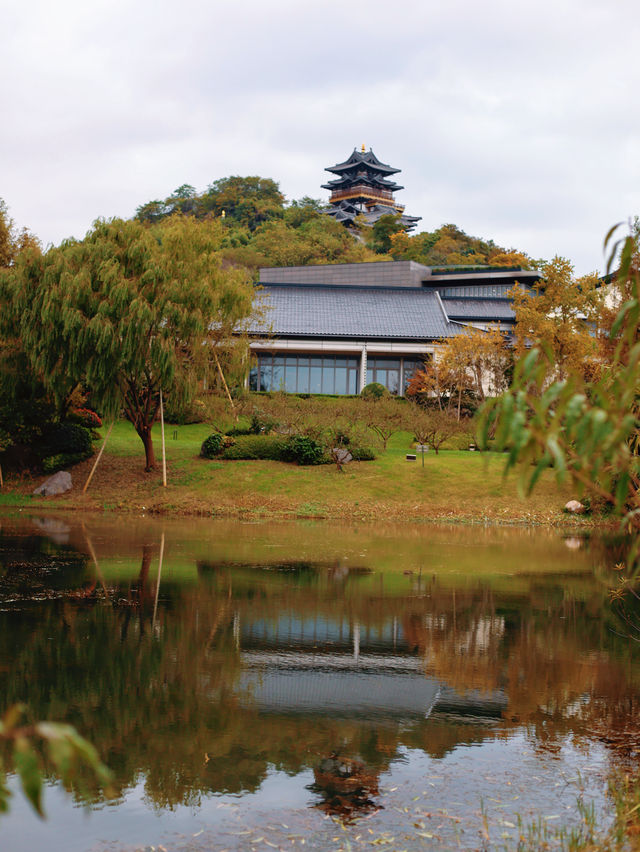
{"points": [[299, 449], [245, 447]]}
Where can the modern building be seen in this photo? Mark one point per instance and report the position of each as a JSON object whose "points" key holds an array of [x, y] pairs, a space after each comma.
{"points": [[336, 328], [362, 189]]}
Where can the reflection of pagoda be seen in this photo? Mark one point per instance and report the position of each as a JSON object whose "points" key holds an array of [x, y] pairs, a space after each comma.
{"points": [[362, 189]]}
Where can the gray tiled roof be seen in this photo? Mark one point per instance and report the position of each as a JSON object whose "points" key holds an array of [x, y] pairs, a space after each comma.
{"points": [[353, 312], [479, 309]]}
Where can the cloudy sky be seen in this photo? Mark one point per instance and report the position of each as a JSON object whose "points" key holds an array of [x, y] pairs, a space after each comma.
{"points": [[517, 120]]}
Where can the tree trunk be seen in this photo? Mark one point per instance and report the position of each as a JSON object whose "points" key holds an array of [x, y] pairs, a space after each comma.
{"points": [[145, 435], [143, 576]]}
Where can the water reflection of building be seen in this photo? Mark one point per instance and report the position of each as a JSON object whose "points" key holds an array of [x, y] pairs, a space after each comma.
{"points": [[343, 668]]}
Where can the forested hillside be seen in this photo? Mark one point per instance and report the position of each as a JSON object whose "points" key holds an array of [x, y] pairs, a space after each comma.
{"points": [[262, 228]]}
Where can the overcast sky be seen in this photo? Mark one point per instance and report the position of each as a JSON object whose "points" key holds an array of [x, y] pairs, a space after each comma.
{"points": [[518, 121]]}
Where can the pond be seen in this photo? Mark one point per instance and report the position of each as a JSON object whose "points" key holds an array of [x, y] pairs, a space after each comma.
{"points": [[287, 685]]}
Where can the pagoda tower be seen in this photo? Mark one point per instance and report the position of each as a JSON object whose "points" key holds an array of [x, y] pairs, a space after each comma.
{"points": [[363, 189]]}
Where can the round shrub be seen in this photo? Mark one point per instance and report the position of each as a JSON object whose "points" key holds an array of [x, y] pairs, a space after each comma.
{"points": [[374, 390], [212, 446], [304, 450], [67, 438]]}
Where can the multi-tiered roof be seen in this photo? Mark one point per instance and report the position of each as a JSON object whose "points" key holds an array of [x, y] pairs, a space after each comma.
{"points": [[363, 189]]}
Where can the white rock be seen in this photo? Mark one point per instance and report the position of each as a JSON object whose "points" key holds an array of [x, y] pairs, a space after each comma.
{"points": [[574, 507], [56, 484]]}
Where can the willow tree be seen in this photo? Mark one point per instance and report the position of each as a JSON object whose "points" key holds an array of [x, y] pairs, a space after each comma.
{"points": [[128, 312]]}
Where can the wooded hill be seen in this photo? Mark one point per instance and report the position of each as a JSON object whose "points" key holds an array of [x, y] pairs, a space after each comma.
{"points": [[263, 229]]}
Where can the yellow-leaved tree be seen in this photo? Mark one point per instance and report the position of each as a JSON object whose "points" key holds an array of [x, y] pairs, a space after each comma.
{"points": [[475, 362], [561, 314]]}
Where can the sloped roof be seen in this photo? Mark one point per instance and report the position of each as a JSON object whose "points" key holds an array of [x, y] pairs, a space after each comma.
{"points": [[364, 179], [394, 313], [346, 211], [367, 158], [500, 310]]}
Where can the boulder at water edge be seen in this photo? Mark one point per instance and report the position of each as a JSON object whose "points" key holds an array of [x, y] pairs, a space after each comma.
{"points": [[56, 484], [575, 507]]}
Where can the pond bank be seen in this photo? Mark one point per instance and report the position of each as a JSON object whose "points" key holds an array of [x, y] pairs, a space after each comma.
{"points": [[451, 486], [449, 489]]}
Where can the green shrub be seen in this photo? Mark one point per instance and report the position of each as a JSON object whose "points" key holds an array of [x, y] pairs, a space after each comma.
{"points": [[67, 438], [374, 390], [362, 453], [272, 447], [51, 464], [211, 446], [304, 450]]}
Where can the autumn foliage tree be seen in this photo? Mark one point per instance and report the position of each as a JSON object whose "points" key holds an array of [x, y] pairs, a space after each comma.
{"points": [[127, 312], [449, 245], [561, 314], [586, 428], [473, 362]]}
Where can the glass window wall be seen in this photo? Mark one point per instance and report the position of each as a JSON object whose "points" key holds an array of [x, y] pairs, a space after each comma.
{"points": [[409, 366], [305, 373], [386, 371], [394, 373], [332, 374]]}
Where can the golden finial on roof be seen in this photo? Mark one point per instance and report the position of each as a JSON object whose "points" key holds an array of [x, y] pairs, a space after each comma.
{"points": [[363, 148]]}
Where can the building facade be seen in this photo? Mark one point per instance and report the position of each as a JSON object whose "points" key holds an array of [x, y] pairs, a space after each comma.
{"points": [[336, 328]]}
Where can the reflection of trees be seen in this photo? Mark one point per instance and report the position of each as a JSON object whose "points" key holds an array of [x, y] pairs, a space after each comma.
{"points": [[550, 655], [163, 703], [150, 703]]}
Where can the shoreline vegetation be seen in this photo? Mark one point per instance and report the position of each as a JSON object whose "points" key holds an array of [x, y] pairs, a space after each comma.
{"points": [[453, 486]]}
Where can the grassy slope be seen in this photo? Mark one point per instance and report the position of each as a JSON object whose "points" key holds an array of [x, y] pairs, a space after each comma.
{"points": [[454, 485]]}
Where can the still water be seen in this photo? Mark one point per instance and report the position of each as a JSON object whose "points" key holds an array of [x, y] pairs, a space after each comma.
{"points": [[315, 685]]}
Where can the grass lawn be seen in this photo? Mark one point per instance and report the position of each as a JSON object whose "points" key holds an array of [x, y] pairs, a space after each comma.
{"points": [[453, 485]]}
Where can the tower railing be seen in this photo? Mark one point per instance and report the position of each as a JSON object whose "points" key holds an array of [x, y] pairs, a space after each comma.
{"points": [[361, 191]]}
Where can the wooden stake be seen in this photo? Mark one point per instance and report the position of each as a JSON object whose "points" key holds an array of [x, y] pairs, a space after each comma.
{"points": [[226, 386], [164, 453], [95, 464], [155, 603], [95, 561]]}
